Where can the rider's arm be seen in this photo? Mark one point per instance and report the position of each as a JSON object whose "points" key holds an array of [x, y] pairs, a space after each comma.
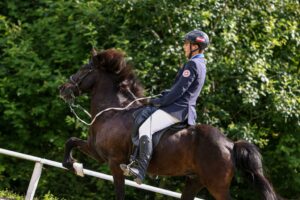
{"points": [[180, 87]]}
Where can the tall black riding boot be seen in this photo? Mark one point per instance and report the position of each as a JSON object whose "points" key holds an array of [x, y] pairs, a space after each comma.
{"points": [[145, 153]]}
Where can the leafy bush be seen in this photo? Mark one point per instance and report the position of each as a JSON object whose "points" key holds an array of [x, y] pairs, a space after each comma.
{"points": [[251, 92], [5, 194]]}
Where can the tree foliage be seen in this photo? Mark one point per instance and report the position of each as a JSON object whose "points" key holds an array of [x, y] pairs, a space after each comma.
{"points": [[252, 90]]}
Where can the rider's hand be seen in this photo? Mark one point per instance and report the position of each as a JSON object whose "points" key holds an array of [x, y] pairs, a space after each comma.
{"points": [[154, 102], [165, 92]]}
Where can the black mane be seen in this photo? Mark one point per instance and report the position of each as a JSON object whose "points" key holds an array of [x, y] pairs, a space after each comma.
{"points": [[113, 61]]}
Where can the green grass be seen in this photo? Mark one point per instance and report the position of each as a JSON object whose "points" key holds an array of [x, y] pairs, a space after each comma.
{"points": [[8, 195]]}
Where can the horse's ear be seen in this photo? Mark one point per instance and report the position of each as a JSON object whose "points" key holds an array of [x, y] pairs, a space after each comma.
{"points": [[97, 58], [94, 52]]}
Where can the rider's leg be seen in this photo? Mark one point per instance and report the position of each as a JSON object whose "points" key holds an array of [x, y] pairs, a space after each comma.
{"points": [[157, 121]]}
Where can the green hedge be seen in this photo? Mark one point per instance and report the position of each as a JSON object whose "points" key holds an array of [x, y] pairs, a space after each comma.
{"points": [[252, 89], [5, 194]]}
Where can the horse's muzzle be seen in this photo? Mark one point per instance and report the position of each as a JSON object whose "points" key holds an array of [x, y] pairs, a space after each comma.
{"points": [[67, 92]]}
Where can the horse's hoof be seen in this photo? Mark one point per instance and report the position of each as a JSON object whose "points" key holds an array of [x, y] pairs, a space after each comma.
{"points": [[125, 169], [68, 165], [78, 168]]}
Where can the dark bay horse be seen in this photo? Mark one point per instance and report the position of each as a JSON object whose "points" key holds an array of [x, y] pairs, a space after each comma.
{"points": [[201, 153]]}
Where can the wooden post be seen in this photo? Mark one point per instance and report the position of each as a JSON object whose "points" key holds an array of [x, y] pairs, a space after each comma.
{"points": [[37, 171]]}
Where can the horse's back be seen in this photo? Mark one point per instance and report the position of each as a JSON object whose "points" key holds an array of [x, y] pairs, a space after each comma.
{"points": [[210, 136]]}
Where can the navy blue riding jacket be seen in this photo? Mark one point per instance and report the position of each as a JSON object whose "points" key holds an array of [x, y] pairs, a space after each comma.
{"points": [[180, 100]]}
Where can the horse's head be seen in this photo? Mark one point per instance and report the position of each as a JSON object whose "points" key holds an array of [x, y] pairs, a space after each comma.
{"points": [[106, 69], [79, 82]]}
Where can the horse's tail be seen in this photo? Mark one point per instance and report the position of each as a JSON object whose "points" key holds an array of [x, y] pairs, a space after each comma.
{"points": [[248, 159]]}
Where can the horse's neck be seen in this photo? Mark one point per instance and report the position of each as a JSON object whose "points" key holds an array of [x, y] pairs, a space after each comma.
{"points": [[101, 102], [103, 98], [104, 95]]}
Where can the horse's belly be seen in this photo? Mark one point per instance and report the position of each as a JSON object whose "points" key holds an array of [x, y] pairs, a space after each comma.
{"points": [[173, 157]]}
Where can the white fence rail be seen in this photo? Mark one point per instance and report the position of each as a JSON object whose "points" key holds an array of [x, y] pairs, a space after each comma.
{"points": [[39, 162]]}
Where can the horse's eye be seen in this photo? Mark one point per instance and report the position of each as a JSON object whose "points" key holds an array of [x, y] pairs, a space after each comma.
{"points": [[90, 65], [87, 67]]}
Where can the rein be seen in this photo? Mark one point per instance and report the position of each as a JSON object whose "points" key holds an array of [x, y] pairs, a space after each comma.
{"points": [[72, 106]]}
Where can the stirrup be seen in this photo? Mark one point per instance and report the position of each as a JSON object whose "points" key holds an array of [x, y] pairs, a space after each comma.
{"points": [[126, 168]]}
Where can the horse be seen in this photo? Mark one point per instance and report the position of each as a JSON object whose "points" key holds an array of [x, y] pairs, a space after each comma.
{"points": [[201, 153]]}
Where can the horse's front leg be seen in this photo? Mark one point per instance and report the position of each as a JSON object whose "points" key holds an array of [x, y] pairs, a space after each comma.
{"points": [[68, 158], [119, 180], [83, 146]]}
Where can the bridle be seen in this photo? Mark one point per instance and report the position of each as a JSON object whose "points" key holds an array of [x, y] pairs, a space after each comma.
{"points": [[90, 68]]}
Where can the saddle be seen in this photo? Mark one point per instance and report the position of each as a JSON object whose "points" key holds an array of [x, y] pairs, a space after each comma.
{"points": [[139, 116]]}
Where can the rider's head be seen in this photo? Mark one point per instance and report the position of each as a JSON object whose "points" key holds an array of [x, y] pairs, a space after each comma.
{"points": [[195, 42]]}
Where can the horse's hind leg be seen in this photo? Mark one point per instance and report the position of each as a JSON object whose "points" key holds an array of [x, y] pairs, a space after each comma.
{"points": [[218, 184], [192, 186], [219, 187], [222, 194], [83, 146]]}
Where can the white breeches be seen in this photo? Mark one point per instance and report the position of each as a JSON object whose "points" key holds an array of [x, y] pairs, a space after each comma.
{"points": [[157, 121]]}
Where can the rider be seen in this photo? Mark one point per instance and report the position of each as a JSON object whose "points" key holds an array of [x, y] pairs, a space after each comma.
{"points": [[177, 104]]}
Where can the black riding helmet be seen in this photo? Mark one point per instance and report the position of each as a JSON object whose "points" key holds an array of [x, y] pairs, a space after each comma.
{"points": [[197, 37]]}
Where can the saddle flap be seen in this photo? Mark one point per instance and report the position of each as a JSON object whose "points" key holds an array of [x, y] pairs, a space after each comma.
{"points": [[173, 129], [139, 116]]}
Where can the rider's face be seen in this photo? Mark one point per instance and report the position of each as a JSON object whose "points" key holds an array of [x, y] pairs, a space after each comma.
{"points": [[186, 48]]}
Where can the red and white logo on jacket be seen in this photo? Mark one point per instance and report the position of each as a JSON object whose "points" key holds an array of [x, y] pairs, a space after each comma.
{"points": [[186, 73]]}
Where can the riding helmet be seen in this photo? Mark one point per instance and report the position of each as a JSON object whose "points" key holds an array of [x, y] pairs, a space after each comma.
{"points": [[197, 37]]}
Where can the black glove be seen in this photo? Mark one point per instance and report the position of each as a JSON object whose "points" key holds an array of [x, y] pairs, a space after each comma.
{"points": [[165, 92], [154, 102]]}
